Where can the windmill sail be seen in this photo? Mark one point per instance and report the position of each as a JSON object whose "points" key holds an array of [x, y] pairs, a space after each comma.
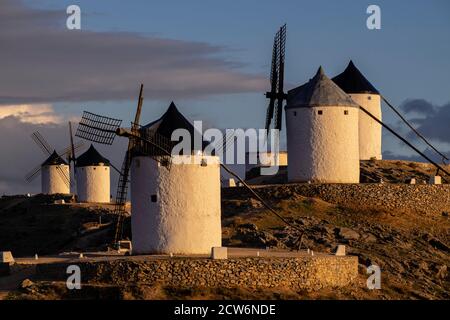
{"points": [[97, 128], [276, 94], [280, 96], [41, 142], [30, 176], [273, 83]]}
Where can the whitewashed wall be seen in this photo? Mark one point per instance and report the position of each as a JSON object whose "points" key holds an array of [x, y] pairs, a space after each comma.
{"points": [[52, 181], [323, 148], [185, 219], [369, 129], [93, 184]]}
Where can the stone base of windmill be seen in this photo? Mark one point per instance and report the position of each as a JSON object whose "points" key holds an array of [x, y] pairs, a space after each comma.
{"points": [[231, 268]]}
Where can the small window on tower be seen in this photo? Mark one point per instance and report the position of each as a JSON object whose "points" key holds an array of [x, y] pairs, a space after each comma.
{"points": [[369, 98], [319, 112], [95, 168], [295, 113], [153, 198], [346, 112]]}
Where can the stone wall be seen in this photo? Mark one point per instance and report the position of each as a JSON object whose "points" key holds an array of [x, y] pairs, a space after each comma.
{"points": [[431, 199], [307, 273]]}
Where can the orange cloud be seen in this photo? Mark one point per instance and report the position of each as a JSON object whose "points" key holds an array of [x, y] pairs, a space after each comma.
{"points": [[31, 113]]}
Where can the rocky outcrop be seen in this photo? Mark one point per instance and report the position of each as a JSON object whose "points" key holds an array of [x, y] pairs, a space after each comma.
{"points": [[427, 199]]}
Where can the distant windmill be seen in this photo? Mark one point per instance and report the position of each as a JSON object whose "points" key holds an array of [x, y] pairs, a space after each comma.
{"points": [[55, 171]]}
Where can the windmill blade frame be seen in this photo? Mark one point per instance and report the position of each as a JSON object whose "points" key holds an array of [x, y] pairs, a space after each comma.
{"points": [[63, 175], [97, 128], [30, 176], [280, 90], [41, 142], [276, 93], [67, 150], [273, 83]]}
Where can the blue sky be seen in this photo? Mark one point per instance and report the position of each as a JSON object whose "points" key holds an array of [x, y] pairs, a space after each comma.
{"points": [[411, 46], [182, 45], [407, 58]]}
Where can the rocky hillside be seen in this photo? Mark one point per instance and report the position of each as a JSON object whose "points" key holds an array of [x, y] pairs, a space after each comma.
{"points": [[372, 171], [410, 246], [36, 225]]}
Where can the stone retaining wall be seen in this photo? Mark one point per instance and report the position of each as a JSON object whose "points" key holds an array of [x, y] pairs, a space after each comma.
{"points": [[433, 199], [307, 273]]}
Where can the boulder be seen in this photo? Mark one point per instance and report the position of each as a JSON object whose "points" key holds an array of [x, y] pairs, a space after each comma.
{"points": [[348, 234], [27, 283], [249, 226], [368, 237]]}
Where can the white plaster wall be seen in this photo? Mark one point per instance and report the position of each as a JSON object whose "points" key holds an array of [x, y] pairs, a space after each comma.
{"points": [[93, 184], [185, 219], [51, 180], [323, 148], [369, 130]]}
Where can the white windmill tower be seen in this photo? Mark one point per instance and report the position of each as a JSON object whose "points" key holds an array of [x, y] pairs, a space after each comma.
{"points": [[55, 171], [176, 205], [93, 177], [353, 82], [175, 199], [322, 133], [55, 175]]}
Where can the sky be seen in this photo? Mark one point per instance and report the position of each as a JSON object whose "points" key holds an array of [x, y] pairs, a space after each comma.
{"points": [[212, 58]]}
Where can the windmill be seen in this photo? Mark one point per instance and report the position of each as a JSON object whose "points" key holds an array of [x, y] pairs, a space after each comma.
{"points": [[54, 163], [103, 130], [187, 217], [276, 95]]}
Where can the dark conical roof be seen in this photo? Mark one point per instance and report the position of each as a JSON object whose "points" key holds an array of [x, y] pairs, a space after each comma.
{"points": [[318, 91], [353, 81], [54, 159], [91, 158], [171, 120]]}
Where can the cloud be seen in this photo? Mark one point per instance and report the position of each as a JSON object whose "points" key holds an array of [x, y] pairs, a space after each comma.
{"points": [[390, 155], [419, 106], [37, 113], [44, 62], [430, 120], [435, 125]]}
